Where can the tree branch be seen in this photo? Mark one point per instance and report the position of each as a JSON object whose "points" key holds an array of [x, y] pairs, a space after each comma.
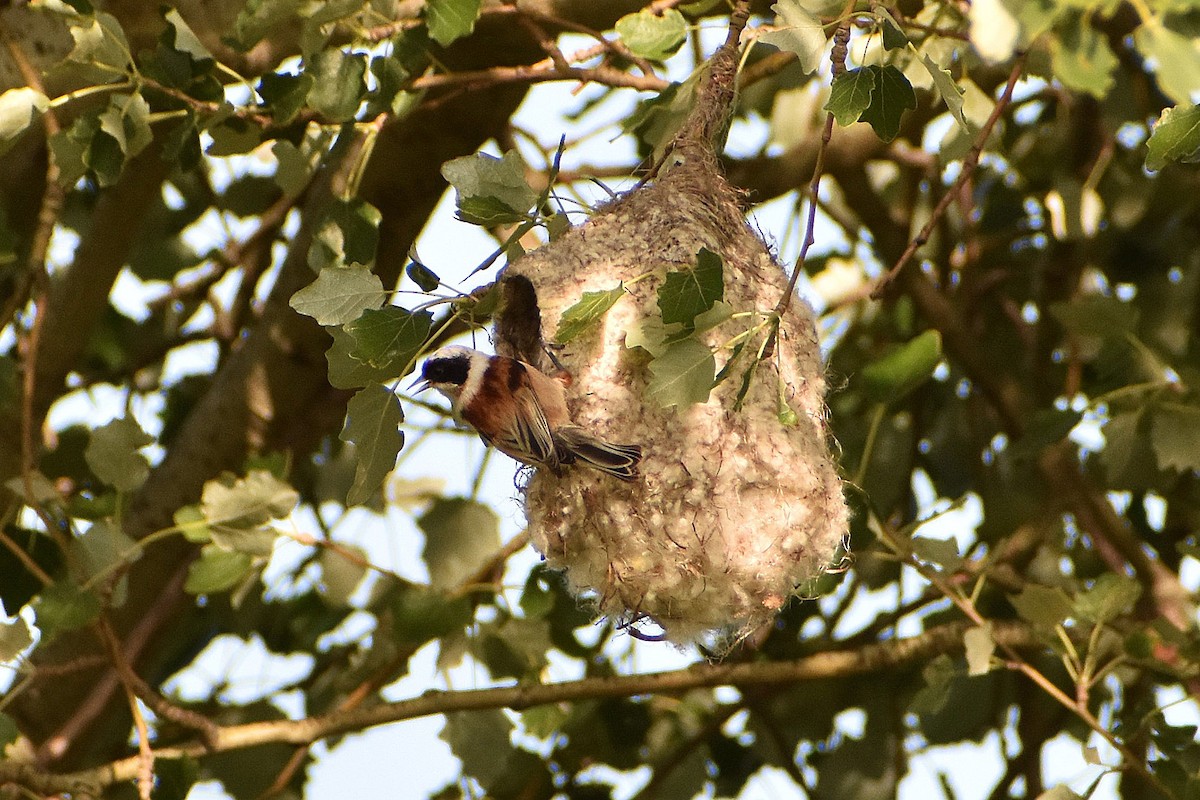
{"points": [[881, 657]]}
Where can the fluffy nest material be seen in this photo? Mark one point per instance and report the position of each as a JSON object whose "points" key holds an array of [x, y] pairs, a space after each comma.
{"points": [[734, 509]]}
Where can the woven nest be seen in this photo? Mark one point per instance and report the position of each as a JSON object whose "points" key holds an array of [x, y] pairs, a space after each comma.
{"points": [[734, 509]]}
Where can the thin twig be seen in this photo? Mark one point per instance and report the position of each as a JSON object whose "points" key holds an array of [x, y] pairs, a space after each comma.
{"points": [[380, 677], [145, 774], [541, 72], [53, 198], [663, 767], [968, 168], [841, 39], [24, 557], [1019, 664]]}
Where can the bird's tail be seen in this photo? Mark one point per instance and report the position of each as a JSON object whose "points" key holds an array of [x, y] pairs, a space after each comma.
{"points": [[618, 460]]}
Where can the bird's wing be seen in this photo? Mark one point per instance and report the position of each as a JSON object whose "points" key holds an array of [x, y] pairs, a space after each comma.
{"points": [[532, 431]]}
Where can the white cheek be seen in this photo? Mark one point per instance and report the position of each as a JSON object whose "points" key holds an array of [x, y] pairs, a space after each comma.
{"points": [[451, 394], [474, 378]]}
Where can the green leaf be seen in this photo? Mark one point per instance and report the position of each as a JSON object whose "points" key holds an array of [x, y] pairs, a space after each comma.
{"points": [[181, 61], [285, 94], [893, 376], [292, 171], [113, 454], [191, 522], [449, 20], [234, 136], [515, 648], [332, 11], [348, 235], [943, 552], [797, 31], [650, 334], [1110, 596], [425, 278], [346, 371], [1096, 315], [62, 607], [341, 576], [389, 338], [655, 121], [239, 512], [951, 93], [689, 292], [1042, 605], [720, 313], [8, 731], [1175, 434], [217, 570], [1081, 58], [18, 109], [653, 36], [583, 315], [891, 95], [104, 158], [183, 38], [43, 489], [70, 146], [181, 144], [683, 374], [339, 295], [460, 535], [15, 636], [1176, 57], [373, 418], [339, 83], [850, 95], [938, 675], [979, 646], [544, 721], [1176, 137], [260, 17], [1044, 427], [894, 37], [100, 44], [102, 548], [175, 777], [388, 95], [490, 189], [1128, 454], [481, 740], [420, 614]]}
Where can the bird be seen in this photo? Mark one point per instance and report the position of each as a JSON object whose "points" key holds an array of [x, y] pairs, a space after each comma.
{"points": [[522, 412]]}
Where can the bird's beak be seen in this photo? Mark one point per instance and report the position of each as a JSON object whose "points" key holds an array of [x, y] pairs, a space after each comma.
{"points": [[418, 386]]}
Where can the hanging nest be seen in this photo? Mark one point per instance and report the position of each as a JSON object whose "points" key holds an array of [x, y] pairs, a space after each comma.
{"points": [[738, 503]]}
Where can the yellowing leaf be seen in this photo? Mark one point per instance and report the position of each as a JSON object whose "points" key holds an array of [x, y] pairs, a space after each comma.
{"points": [[979, 646]]}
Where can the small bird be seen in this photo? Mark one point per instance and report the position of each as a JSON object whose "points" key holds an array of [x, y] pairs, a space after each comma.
{"points": [[522, 412]]}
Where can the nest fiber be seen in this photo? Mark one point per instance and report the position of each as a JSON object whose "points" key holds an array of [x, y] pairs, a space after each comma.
{"points": [[734, 509]]}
